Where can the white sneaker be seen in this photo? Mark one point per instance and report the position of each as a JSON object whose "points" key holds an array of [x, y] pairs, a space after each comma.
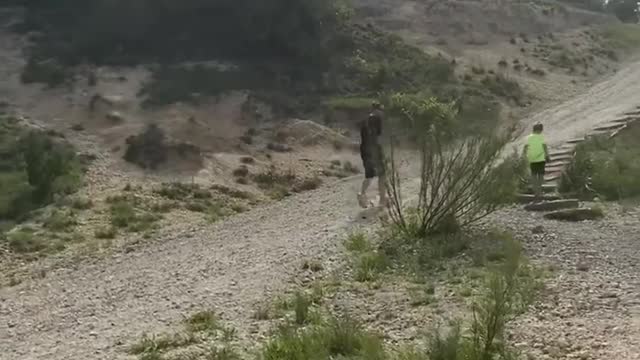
{"points": [[362, 200]]}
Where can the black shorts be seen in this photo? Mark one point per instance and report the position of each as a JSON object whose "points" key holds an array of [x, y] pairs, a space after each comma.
{"points": [[372, 163], [537, 168]]}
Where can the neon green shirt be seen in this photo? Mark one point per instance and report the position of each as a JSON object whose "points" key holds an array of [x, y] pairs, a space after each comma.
{"points": [[535, 149]]}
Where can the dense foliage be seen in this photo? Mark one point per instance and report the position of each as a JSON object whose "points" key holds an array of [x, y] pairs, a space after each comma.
{"points": [[33, 169]]}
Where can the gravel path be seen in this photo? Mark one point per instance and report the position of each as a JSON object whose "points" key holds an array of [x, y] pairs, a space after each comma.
{"points": [[89, 311], [592, 310], [83, 313]]}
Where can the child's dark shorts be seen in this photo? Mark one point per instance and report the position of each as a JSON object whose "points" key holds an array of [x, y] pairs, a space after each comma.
{"points": [[537, 168]]}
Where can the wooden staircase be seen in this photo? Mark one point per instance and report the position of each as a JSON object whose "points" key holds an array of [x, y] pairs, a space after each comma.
{"points": [[552, 202]]}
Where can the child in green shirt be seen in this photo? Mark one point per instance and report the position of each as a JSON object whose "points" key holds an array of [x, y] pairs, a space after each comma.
{"points": [[537, 154]]}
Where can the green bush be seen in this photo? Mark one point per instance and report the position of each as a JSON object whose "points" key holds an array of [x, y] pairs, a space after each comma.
{"points": [[50, 168], [609, 168], [459, 177], [33, 169]]}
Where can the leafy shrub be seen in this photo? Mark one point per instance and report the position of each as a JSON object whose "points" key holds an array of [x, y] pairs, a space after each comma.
{"points": [[49, 167], [148, 149], [458, 178], [33, 169], [606, 167]]}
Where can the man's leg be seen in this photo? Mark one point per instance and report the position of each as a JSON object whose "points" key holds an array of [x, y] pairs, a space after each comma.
{"points": [[362, 196]]}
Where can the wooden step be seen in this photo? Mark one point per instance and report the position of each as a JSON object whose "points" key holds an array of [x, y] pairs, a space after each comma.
{"points": [[561, 157], [626, 119], [554, 163], [546, 188], [632, 113], [553, 205], [575, 215], [554, 169], [556, 153], [552, 177], [529, 198], [575, 141], [609, 127]]}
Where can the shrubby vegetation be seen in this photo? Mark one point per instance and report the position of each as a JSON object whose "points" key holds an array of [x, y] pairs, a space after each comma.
{"points": [[34, 169], [292, 53], [461, 180], [609, 168]]}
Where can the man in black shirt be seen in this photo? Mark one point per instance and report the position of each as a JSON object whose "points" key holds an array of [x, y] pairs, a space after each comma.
{"points": [[372, 155]]}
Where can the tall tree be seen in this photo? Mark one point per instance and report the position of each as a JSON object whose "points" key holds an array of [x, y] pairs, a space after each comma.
{"points": [[625, 10]]}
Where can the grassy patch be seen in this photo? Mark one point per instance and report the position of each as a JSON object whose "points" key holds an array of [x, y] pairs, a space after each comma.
{"points": [[622, 36], [106, 233], [203, 337], [203, 321], [369, 266], [129, 213], [24, 241], [157, 343], [338, 338], [60, 220], [182, 191], [357, 242], [80, 203]]}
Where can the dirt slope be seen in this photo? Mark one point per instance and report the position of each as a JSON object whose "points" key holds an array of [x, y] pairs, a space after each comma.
{"points": [[89, 310]]}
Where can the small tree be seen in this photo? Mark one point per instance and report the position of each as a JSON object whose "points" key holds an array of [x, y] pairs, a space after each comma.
{"points": [[44, 164], [461, 180]]}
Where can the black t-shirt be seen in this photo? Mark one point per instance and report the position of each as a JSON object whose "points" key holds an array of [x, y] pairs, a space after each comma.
{"points": [[370, 130]]}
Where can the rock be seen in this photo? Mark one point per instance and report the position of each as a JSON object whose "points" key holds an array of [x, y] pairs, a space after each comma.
{"points": [[277, 147], [538, 230], [553, 205], [576, 215], [115, 116]]}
